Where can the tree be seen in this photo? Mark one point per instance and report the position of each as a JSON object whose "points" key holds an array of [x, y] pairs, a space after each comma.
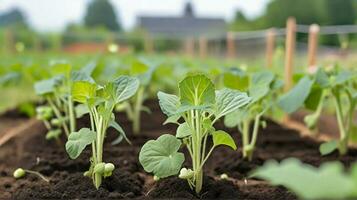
{"points": [[13, 17], [101, 13], [340, 12]]}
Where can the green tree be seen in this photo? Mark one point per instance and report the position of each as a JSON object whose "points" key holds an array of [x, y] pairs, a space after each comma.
{"points": [[101, 13], [340, 12]]}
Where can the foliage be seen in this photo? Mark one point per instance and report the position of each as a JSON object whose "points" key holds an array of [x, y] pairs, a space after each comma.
{"points": [[199, 105], [262, 87], [329, 181], [313, 92], [101, 13], [99, 102]]}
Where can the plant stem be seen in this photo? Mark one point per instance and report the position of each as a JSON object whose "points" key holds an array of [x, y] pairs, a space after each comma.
{"points": [[137, 111], [37, 174], [72, 120], [59, 116], [245, 135], [343, 136], [254, 137]]}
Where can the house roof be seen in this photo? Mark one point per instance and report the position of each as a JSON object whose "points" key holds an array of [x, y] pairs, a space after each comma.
{"points": [[184, 26]]}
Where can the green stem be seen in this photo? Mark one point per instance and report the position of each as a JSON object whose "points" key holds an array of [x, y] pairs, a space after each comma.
{"points": [[245, 135], [72, 120], [343, 136], [59, 116], [254, 137], [137, 111]]}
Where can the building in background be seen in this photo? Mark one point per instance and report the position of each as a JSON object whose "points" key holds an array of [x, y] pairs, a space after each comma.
{"points": [[187, 25]]}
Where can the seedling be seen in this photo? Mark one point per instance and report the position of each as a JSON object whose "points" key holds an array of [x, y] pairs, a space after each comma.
{"points": [[135, 106], [262, 87], [199, 105], [316, 90], [100, 102], [59, 113], [20, 172]]}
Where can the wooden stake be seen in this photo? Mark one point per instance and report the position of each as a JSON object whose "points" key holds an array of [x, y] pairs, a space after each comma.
{"points": [[270, 47], [202, 45], [289, 52], [231, 50], [312, 45], [189, 46]]}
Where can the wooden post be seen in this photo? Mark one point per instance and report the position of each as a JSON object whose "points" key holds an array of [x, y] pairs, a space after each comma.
{"points": [[148, 44], [202, 45], [289, 52], [231, 50], [189, 46], [270, 47], [312, 45]]}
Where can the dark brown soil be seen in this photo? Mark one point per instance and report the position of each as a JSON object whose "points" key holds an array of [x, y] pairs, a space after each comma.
{"points": [[129, 180]]}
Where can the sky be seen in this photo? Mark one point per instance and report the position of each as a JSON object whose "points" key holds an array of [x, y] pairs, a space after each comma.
{"points": [[54, 15]]}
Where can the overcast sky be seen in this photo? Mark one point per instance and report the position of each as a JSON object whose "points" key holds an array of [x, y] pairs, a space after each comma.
{"points": [[53, 15]]}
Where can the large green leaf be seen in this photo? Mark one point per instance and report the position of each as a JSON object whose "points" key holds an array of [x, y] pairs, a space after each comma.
{"points": [[83, 90], [169, 103], [327, 182], [296, 97], [228, 100], [196, 90], [123, 88], [260, 85], [77, 141], [160, 156], [322, 78], [223, 138]]}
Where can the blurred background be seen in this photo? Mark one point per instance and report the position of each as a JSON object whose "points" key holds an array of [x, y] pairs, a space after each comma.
{"points": [[249, 33], [174, 26]]}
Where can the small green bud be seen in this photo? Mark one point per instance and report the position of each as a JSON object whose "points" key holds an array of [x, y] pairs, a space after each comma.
{"points": [[108, 169], [99, 168], [224, 176], [186, 173], [56, 122], [87, 173], [19, 173], [156, 178]]}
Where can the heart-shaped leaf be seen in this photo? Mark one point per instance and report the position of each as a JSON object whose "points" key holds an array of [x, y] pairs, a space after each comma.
{"points": [[77, 141], [122, 88], [196, 90], [160, 156], [223, 138], [83, 90], [183, 130]]}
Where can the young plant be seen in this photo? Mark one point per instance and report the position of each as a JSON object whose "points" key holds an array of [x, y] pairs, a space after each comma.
{"points": [[135, 106], [59, 113], [262, 87], [316, 90], [20, 172], [100, 102], [199, 105]]}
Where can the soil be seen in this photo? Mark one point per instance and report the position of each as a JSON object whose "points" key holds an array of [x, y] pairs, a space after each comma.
{"points": [[129, 180]]}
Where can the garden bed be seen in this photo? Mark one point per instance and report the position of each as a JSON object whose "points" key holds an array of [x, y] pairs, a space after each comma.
{"points": [[30, 150]]}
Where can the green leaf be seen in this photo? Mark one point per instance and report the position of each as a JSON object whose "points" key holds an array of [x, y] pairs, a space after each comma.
{"points": [[260, 85], [169, 103], [81, 76], [228, 100], [77, 141], [223, 138], [122, 88], [81, 110], [160, 156], [343, 77], [183, 130], [121, 132], [328, 147], [47, 86], [314, 98], [53, 134], [196, 90], [322, 78], [307, 182], [296, 97], [83, 90], [236, 79]]}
